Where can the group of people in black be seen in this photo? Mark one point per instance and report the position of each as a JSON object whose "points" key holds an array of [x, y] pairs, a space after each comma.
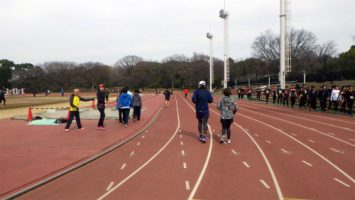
{"points": [[311, 98]]}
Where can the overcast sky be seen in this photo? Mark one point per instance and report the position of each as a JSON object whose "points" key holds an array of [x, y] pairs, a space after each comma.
{"points": [[105, 30]]}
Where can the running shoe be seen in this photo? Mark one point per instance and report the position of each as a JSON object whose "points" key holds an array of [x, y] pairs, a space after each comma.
{"points": [[229, 141], [222, 139], [200, 138], [204, 139], [66, 130], [81, 129]]}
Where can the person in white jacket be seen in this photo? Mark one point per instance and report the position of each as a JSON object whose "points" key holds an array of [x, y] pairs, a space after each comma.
{"points": [[334, 97]]}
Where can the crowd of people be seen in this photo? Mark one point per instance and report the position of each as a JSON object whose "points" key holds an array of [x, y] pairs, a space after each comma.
{"points": [[125, 101], [325, 98]]}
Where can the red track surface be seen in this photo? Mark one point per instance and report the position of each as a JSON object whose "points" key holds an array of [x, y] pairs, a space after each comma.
{"points": [[275, 153]]}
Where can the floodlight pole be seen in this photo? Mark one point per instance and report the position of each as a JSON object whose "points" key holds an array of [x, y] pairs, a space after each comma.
{"points": [[210, 37], [282, 75], [224, 15]]}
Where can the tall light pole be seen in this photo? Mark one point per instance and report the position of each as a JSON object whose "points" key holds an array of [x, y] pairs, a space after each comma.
{"points": [[224, 15], [210, 37], [282, 75]]}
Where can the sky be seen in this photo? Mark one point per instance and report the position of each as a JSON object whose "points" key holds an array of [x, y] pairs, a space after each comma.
{"points": [[38, 31]]}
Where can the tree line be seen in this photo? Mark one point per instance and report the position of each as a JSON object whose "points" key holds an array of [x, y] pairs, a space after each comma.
{"points": [[320, 61]]}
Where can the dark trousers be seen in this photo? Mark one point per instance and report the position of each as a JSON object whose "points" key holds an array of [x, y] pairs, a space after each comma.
{"points": [[285, 101], [273, 99], [125, 113], [293, 101], [120, 115], [258, 97], [3, 99], [335, 105], [350, 105], [202, 124], [137, 112], [267, 99], [73, 114], [279, 99], [226, 127], [185, 95], [102, 117]]}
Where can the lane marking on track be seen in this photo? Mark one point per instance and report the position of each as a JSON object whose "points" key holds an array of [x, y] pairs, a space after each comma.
{"points": [[208, 157], [352, 139], [184, 165], [246, 164], [123, 166], [182, 153], [234, 152], [110, 186], [311, 141], [131, 154], [182, 143], [305, 146], [294, 134], [307, 163], [247, 130], [138, 143], [267, 141], [341, 182], [337, 151], [285, 151], [331, 118], [148, 161], [256, 135], [264, 184], [187, 185], [299, 125]]}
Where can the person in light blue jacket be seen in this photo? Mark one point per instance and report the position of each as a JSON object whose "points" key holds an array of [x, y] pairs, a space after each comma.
{"points": [[125, 103]]}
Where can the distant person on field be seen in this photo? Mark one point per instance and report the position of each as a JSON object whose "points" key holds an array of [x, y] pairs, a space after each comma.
{"points": [[201, 98], [285, 96], [274, 95], [249, 94], [293, 96], [267, 93], [342, 99], [167, 95], [62, 92], [124, 103], [186, 91], [137, 105], [2, 96], [74, 102], [334, 97], [350, 100], [101, 94], [258, 94], [228, 108], [323, 95], [312, 96]]}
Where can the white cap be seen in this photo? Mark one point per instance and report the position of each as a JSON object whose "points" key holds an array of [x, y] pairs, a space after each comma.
{"points": [[202, 83]]}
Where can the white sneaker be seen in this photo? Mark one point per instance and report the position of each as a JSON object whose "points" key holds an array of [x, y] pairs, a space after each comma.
{"points": [[229, 141], [222, 139]]}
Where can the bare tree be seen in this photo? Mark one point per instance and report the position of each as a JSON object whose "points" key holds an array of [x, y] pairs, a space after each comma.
{"points": [[327, 49], [128, 62]]}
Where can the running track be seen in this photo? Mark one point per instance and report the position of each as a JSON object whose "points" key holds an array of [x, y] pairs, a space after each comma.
{"points": [[276, 153]]}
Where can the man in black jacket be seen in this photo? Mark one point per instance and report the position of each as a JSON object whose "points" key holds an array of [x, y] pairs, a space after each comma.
{"points": [[2, 96], [101, 95]]}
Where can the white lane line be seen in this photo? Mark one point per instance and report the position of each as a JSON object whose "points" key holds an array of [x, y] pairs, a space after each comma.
{"points": [[255, 135], [110, 186], [311, 141], [337, 151], [305, 146], [264, 184], [234, 152], [148, 161], [131, 154], [208, 157], [182, 153], [246, 164], [187, 185], [138, 143], [267, 141], [307, 163], [352, 139], [184, 165], [299, 125], [341, 182], [182, 143], [285, 151], [123, 166], [247, 130]]}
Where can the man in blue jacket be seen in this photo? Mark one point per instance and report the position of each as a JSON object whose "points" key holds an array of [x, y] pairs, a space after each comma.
{"points": [[202, 97], [124, 103]]}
